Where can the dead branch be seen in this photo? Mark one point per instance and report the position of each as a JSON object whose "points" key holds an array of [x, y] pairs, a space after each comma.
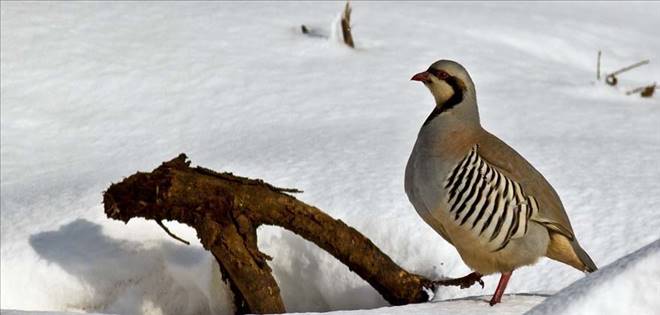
{"points": [[346, 26], [226, 210], [611, 78], [630, 67]]}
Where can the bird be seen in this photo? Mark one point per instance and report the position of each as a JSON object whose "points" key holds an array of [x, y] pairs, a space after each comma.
{"points": [[478, 193]]}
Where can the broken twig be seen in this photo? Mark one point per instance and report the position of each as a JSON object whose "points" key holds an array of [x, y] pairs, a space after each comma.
{"points": [[630, 67], [160, 223], [611, 78], [644, 91], [346, 26]]}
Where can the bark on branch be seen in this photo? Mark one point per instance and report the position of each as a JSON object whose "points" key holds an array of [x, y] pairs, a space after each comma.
{"points": [[226, 210]]}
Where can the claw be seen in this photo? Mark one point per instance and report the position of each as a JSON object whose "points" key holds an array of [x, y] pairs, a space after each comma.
{"points": [[463, 283]]}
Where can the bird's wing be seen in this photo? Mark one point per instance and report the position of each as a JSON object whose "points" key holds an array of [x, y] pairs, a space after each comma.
{"points": [[487, 201], [551, 212]]}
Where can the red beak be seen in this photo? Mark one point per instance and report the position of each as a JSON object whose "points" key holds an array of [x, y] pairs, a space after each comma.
{"points": [[422, 76]]}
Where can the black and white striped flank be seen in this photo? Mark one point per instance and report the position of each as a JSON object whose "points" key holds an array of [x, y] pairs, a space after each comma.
{"points": [[484, 200]]}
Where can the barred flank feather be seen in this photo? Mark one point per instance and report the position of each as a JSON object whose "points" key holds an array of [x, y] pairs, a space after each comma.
{"points": [[484, 200]]}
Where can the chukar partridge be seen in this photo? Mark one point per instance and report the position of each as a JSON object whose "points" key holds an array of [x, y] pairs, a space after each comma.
{"points": [[478, 193]]}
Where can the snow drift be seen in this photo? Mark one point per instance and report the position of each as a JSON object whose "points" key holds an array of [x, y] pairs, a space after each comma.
{"points": [[627, 286]]}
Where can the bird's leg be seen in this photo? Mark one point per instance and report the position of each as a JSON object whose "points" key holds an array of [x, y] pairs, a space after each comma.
{"points": [[504, 279], [464, 282]]}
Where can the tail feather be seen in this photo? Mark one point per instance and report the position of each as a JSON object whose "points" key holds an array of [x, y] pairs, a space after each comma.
{"points": [[589, 265], [569, 252]]}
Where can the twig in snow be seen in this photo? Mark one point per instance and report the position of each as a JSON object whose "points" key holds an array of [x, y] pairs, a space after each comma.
{"points": [[611, 78], [346, 26], [644, 91], [311, 32], [649, 90], [630, 67]]}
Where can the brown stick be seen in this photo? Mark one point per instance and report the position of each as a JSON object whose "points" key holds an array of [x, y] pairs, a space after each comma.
{"points": [[645, 91], [162, 226], [226, 211], [630, 67], [649, 90], [346, 26], [611, 78]]}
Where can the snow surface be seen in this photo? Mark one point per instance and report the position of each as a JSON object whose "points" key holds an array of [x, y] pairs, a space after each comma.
{"points": [[605, 292], [474, 305], [611, 290], [17, 312], [628, 286], [93, 92]]}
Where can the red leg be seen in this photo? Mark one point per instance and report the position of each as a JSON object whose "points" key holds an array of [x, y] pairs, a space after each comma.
{"points": [[497, 297]]}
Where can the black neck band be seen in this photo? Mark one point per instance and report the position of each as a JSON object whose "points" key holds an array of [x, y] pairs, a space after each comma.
{"points": [[454, 100]]}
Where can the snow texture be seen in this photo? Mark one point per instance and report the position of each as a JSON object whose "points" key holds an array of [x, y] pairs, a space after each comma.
{"points": [[94, 91], [611, 290], [474, 305], [628, 286], [17, 312]]}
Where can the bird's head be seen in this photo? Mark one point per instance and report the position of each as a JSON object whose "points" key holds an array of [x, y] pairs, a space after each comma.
{"points": [[449, 83]]}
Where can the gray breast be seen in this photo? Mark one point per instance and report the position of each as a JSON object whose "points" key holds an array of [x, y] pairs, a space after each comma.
{"points": [[484, 201]]}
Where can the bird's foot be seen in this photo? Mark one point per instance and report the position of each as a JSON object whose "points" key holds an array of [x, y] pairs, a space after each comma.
{"points": [[463, 282]]}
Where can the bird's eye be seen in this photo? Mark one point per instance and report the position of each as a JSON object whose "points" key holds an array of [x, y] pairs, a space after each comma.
{"points": [[439, 74]]}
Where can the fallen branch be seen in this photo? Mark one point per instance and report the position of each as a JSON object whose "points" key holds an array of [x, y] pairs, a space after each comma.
{"points": [[226, 211]]}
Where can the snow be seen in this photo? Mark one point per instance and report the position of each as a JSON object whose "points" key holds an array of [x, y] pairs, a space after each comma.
{"points": [[611, 290], [474, 305], [93, 92], [629, 285], [18, 312]]}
